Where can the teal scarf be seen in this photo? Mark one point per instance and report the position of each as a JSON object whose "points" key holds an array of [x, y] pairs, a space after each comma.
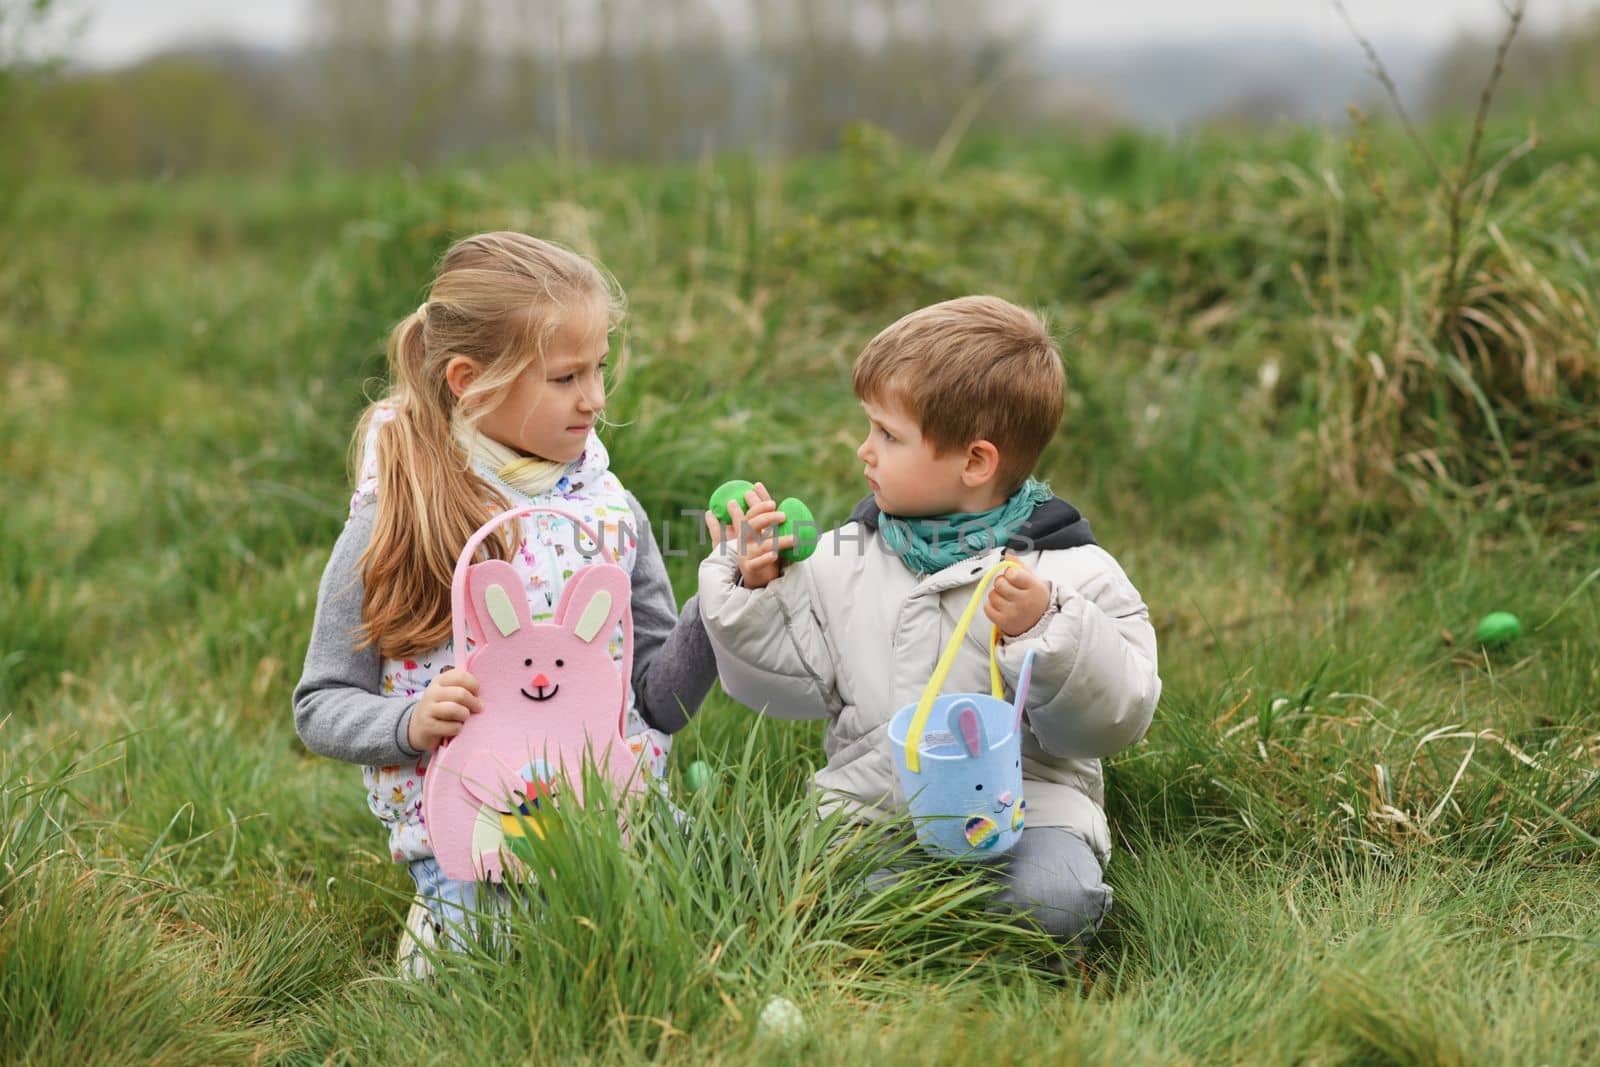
{"points": [[935, 542]]}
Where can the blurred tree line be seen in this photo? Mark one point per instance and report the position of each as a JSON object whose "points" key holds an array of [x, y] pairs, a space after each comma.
{"points": [[426, 80], [1564, 64]]}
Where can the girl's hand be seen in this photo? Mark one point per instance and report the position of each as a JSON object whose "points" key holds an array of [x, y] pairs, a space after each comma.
{"points": [[1017, 600], [443, 709], [747, 536]]}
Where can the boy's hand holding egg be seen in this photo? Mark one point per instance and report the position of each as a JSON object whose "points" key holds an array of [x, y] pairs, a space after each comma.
{"points": [[762, 533]]}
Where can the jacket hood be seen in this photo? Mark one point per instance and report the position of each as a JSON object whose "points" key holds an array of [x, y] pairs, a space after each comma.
{"points": [[1055, 524]]}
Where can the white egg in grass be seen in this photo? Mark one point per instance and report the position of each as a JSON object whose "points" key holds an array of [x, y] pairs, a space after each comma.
{"points": [[781, 1018]]}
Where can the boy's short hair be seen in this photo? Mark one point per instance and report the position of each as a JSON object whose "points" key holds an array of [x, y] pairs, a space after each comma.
{"points": [[974, 368]]}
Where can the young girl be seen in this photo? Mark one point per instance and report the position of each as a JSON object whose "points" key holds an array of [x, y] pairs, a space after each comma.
{"points": [[499, 380]]}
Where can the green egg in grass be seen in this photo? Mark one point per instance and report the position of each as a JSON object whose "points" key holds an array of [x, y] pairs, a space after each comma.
{"points": [[1498, 628]]}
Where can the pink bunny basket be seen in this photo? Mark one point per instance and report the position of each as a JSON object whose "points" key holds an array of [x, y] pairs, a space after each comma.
{"points": [[552, 698]]}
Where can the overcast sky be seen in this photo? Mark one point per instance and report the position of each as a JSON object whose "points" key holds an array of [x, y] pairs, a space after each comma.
{"points": [[116, 31]]}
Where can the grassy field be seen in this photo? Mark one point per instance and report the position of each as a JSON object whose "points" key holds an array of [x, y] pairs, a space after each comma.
{"points": [[1352, 835]]}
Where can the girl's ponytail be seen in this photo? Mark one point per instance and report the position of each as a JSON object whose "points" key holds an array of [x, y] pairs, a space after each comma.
{"points": [[430, 504]]}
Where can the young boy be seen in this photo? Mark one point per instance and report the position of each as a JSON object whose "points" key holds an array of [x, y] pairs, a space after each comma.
{"points": [[961, 398]]}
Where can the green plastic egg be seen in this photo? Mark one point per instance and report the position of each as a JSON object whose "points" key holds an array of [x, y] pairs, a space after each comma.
{"points": [[1498, 627], [734, 490], [697, 776], [798, 520]]}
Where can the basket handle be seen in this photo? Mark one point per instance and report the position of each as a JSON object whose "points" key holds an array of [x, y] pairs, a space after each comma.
{"points": [[458, 591], [930, 692]]}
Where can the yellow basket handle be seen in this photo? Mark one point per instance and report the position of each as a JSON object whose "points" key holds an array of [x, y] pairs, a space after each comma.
{"points": [[930, 693]]}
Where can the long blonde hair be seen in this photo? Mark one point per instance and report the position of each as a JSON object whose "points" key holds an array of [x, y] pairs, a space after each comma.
{"points": [[497, 299]]}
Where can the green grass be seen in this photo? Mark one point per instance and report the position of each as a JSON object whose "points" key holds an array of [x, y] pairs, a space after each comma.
{"points": [[1351, 836]]}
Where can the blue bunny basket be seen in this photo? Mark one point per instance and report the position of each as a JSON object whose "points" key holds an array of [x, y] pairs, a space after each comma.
{"points": [[960, 755]]}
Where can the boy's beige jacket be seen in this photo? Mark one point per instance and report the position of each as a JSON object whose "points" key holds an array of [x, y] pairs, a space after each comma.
{"points": [[852, 635]]}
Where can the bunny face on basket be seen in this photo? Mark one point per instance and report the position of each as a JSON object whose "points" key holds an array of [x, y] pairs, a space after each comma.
{"points": [[982, 774], [552, 699]]}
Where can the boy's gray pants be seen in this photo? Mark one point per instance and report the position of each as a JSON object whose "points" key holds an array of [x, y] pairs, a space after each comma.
{"points": [[1050, 874]]}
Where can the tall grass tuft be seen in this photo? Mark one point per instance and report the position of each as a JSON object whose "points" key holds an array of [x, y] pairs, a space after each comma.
{"points": [[674, 937]]}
